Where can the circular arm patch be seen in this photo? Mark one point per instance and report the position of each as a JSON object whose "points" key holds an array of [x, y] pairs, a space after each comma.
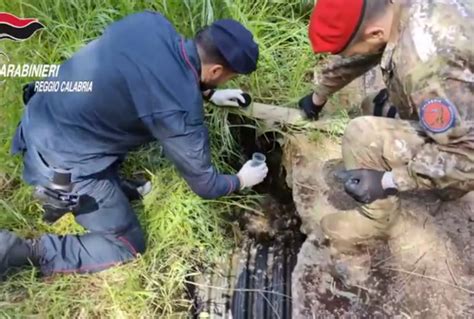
{"points": [[437, 115]]}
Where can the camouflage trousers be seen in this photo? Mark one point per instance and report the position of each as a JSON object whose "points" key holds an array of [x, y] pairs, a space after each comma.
{"points": [[383, 144]]}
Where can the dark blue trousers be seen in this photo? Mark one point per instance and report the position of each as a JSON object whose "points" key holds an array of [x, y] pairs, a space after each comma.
{"points": [[114, 235]]}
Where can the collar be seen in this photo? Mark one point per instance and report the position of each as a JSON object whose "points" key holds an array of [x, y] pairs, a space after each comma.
{"points": [[189, 52]]}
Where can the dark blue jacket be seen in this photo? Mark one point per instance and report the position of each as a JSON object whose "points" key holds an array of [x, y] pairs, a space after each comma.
{"points": [[145, 86]]}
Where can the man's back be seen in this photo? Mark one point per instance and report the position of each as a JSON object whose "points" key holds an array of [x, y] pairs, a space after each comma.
{"points": [[136, 70]]}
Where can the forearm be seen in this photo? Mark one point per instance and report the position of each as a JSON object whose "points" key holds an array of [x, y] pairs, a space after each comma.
{"points": [[339, 71], [213, 185]]}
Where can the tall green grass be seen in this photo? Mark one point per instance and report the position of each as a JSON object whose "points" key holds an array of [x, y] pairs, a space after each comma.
{"points": [[184, 232]]}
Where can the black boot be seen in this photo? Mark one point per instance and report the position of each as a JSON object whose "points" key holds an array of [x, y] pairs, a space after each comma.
{"points": [[16, 252], [135, 189]]}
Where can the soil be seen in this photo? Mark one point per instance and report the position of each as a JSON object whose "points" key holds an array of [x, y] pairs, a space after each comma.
{"points": [[254, 281], [423, 271]]}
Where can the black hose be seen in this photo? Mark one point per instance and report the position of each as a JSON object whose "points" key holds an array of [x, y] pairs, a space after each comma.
{"points": [[240, 298], [260, 297]]}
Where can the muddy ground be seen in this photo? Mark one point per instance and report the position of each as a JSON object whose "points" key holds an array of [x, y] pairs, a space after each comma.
{"points": [[423, 271]]}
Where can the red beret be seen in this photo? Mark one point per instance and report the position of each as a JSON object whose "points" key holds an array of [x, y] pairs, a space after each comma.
{"points": [[334, 23]]}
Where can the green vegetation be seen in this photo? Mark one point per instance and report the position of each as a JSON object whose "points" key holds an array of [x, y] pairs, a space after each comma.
{"points": [[184, 232]]}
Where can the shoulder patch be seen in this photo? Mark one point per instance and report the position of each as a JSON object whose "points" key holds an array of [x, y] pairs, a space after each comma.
{"points": [[437, 115]]}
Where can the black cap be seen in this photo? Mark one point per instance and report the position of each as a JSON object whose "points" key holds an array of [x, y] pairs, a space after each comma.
{"points": [[236, 45]]}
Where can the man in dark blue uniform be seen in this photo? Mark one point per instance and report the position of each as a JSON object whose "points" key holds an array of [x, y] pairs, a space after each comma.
{"points": [[148, 83]]}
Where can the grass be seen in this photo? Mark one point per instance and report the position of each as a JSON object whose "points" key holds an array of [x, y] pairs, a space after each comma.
{"points": [[184, 232]]}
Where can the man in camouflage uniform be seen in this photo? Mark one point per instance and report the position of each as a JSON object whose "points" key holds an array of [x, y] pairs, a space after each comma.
{"points": [[425, 51]]}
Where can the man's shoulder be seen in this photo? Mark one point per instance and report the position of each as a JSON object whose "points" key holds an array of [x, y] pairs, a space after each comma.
{"points": [[435, 36], [145, 17], [143, 25], [438, 28]]}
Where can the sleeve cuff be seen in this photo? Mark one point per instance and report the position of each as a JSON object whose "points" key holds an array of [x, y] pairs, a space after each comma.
{"points": [[234, 183], [207, 97], [388, 181]]}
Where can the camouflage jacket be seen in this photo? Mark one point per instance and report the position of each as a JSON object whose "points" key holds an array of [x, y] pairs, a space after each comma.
{"points": [[428, 70]]}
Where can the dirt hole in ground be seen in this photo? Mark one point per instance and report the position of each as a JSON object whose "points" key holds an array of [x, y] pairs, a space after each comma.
{"points": [[254, 280], [276, 272]]}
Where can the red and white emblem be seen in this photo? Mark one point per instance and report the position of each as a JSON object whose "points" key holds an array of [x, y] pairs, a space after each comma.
{"points": [[437, 115]]}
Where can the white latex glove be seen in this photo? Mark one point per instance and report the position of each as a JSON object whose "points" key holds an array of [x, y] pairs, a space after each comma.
{"points": [[227, 97], [250, 176], [388, 181]]}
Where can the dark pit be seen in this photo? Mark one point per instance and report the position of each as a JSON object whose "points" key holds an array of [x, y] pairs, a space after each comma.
{"points": [[254, 281]]}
